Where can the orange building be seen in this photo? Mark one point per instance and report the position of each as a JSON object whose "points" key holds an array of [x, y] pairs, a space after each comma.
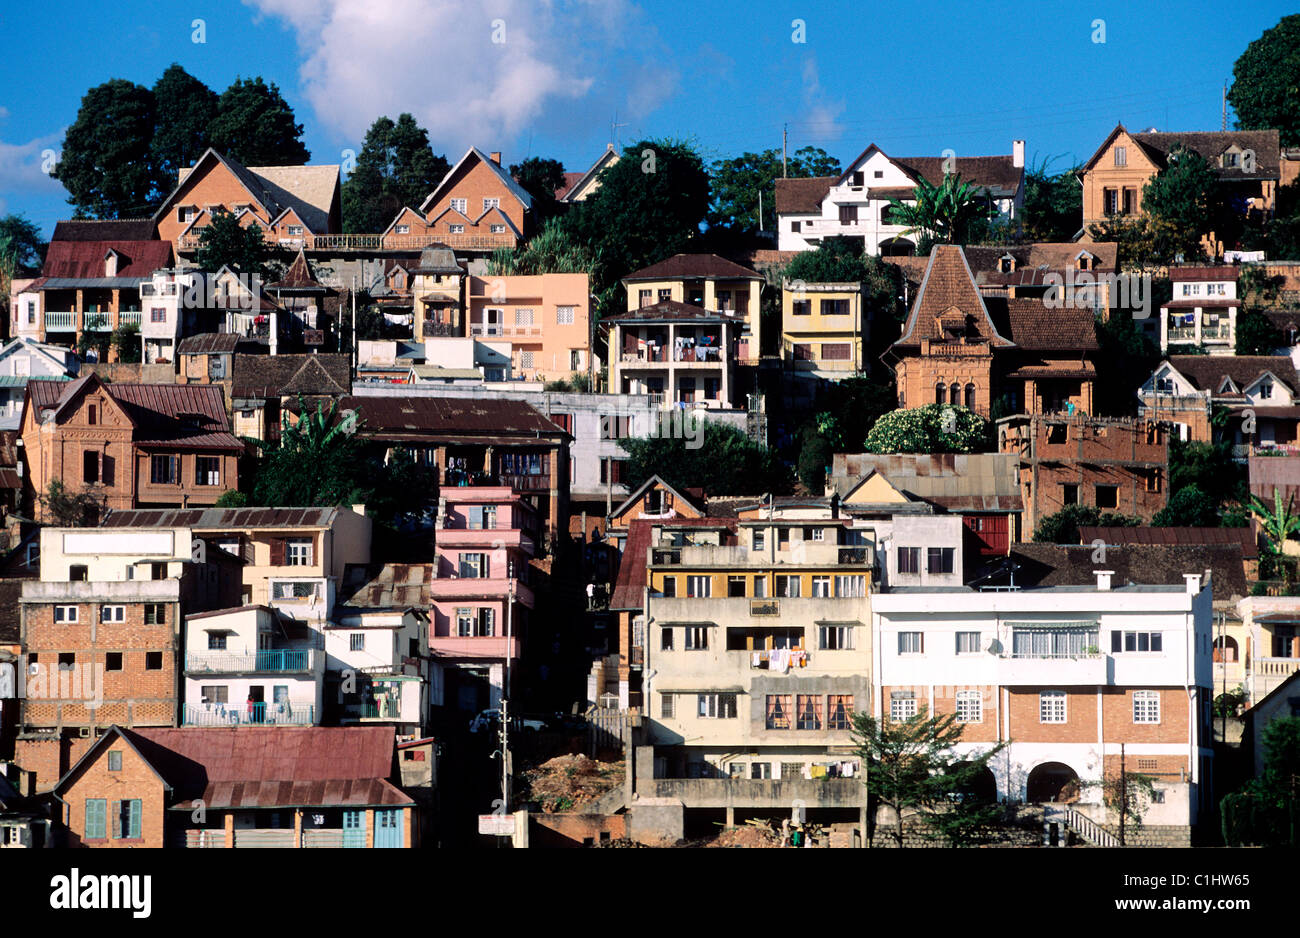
{"points": [[545, 319], [476, 206]]}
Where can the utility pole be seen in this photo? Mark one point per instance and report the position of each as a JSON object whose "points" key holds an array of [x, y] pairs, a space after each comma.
{"points": [[353, 350], [1225, 104], [505, 695], [760, 209], [784, 130]]}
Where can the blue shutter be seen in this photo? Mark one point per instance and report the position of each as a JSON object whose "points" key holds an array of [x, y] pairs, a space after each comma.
{"points": [[134, 827]]}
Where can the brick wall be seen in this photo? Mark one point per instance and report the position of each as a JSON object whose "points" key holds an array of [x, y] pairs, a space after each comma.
{"points": [[136, 780], [49, 758], [917, 377], [1080, 713], [574, 830]]}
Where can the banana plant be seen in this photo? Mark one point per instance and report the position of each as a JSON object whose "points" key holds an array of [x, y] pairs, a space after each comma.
{"points": [[944, 211], [1278, 522]]}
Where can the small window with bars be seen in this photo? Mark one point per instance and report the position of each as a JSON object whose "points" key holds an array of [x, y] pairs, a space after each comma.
{"points": [[970, 706], [1146, 706], [902, 705]]}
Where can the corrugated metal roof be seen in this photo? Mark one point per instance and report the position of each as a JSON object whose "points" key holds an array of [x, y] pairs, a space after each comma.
{"points": [[221, 519], [386, 586], [1244, 537], [438, 416]]}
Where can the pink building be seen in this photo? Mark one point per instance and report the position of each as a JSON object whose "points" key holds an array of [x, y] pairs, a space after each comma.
{"points": [[485, 537]]}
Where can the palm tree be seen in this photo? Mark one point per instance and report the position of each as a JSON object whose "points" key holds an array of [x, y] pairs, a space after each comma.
{"points": [[945, 212]]}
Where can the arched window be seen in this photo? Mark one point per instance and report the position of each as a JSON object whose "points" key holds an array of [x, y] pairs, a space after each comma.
{"points": [[954, 393], [939, 397], [970, 397]]}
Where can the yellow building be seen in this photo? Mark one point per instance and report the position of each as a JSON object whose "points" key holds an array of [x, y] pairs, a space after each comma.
{"points": [[823, 330]]}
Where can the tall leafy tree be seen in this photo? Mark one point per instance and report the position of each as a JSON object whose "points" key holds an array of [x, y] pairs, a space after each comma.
{"points": [[1053, 204], [540, 178], [396, 168], [649, 206], [1256, 334], [947, 212], [225, 242], [184, 108], [723, 461], [1185, 196], [1264, 92], [107, 159], [255, 125], [553, 250], [318, 461], [912, 767], [1266, 811], [737, 182], [22, 240]]}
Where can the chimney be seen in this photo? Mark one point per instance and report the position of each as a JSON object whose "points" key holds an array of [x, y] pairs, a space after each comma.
{"points": [[1193, 582], [1103, 579], [495, 157], [1018, 154]]}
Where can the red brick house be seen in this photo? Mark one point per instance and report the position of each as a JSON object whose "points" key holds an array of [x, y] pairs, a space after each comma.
{"points": [[237, 787], [131, 445]]}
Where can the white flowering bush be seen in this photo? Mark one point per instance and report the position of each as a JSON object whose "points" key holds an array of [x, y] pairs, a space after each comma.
{"points": [[934, 428]]}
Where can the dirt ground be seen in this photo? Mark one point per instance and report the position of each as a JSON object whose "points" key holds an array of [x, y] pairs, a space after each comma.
{"points": [[568, 782]]}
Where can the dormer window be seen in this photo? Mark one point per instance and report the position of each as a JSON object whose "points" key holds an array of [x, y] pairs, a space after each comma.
{"points": [[1085, 262], [110, 264], [1164, 384], [1231, 158], [1265, 389], [185, 214], [1006, 264], [858, 179]]}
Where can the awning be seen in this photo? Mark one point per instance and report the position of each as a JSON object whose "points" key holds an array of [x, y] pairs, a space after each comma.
{"points": [[1077, 624]]}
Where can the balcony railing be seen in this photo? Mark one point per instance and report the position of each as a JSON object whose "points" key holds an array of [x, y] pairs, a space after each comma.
{"points": [[60, 321], [128, 317], [700, 354], [1222, 331], [272, 660], [284, 713], [433, 329], [1182, 333], [1276, 667]]}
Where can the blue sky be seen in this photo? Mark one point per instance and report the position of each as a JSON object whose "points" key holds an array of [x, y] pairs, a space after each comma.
{"points": [[914, 78]]}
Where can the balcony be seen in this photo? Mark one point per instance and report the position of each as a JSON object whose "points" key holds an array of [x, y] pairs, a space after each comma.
{"points": [[757, 793], [1220, 333], [466, 587], [645, 355], [270, 661], [439, 329], [128, 317], [284, 713], [1276, 667], [1048, 670], [59, 321], [701, 354], [1182, 333], [492, 647]]}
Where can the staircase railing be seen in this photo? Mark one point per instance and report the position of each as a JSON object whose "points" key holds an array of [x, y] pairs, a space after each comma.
{"points": [[1089, 829]]}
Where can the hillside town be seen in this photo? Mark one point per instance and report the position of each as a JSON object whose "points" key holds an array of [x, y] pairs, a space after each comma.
{"points": [[450, 502]]}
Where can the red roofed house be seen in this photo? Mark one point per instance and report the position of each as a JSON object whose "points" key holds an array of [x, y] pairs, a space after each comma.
{"points": [[238, 787], [131, 445], [1203, 310], [856, 204], [963, 348], [578, 187], [477, 206], [90, 280]]}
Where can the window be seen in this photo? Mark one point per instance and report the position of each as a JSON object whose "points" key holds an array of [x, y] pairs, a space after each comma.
{"points": [[1069, 493], [67, 660], [736, 586], [112, 613], [1128, 206], [456, 229], [939, 560], [1051, 706], [848, 214], [523, 317], [157, 571], [911, 643], [699, 587], [940, 394], [670, 587], [115, 761], [902, 705], [1121, 156], [78, 573], [970, 707], [1136, 641], [297, 551], [460, 205], [497, 229], [697, 637], [801, 307], [65, 614], [808, 712], [291, 589], [760, 769], [402, 229], [491, 204], [835, 307], [970, 397], [666, 638], [126, 819], [851, 586], [716, 706], [968, 643], [1265, 390], [835, 637], [207, 470], [96, 818], [795, 226], [645, 298], [526, 357], [155, 614], [1146, 706], [564, 315], [759, 540], [357, 641], [909, 560], [1107, 496], [157, 314], [216, 641], [778, 712], [821, 587], [760, 587], [474, 566], [113, 661], [164, 470], [839, 712], [1111, 199], [666, 710], [153, 660], [90, 466], [787, 585], [1054, 641]]}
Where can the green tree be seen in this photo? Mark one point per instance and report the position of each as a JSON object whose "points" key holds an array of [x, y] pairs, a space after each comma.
{"points": [[944, 213], [68, 509], [649, 206], [1127, 795], [395, 169], [107, 160], [1185, 197], [540, 178], [318, 461], [1063, 526], [737, 182], [933, 428], [226, 243], [255, 125], [1264, 92], [912, 767], [1188, 508], [1256, 334], [94, 337], [21, 240], [126, 342], [1266, 811], [1053, 204], [553, 250], [1126, 357], [184, 108], [721, 461], [231, 498]]}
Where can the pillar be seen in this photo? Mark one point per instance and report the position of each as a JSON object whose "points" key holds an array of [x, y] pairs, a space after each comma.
{"points": [[229, 824], [297, 827], [731, 816]]}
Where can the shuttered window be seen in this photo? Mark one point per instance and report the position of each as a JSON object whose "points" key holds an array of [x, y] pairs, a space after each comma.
{"points": [[96, 818]]}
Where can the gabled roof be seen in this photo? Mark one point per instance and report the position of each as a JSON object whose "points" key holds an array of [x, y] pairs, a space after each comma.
{"points": [[1242, 537], [274, 376], [437, 259], [802, 196], [299, 278], [648, 484], [52, 353], [507, 180], [951, 481], [948, 291], [441, 416], [693, 267], [1145, 564], [573, 182], [995, 173], [108, 229], [1210, 145], [1207, 372], [570, 180], [84, 260], [1034, 326], [208, 343]]}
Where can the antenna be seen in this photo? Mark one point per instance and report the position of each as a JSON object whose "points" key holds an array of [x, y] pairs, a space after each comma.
{"points": [[614, 125]]}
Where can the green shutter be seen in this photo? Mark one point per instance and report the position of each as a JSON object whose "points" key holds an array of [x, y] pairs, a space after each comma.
{"points": [[134, 806], [95, 810]]}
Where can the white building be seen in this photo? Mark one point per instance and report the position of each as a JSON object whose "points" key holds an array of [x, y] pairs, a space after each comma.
{"points": [[1202, 311], [24, 358]]}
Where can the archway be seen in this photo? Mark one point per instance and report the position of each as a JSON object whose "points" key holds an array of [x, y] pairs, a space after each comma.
{"points": [[982, 788], [1052, 782], [1225, 649], [897, 247]]}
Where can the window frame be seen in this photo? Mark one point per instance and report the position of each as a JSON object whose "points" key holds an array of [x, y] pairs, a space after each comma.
{"points": [[1049, 701]]}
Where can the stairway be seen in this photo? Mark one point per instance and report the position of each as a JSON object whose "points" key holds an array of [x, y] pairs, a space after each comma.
{"points": [[1088, 830]]}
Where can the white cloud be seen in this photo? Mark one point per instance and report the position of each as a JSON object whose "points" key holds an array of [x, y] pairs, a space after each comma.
{"points": [[821, 113], [562, 66], [23, 166]]}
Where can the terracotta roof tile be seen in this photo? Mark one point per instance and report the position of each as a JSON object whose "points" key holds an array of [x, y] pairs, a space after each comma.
{"points": [[686, 266]]}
